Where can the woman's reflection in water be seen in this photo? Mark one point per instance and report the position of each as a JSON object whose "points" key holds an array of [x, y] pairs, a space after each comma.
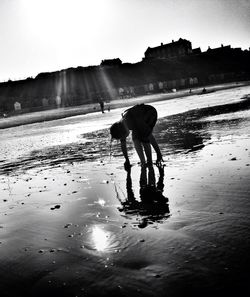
{"points": [[152, 205]]}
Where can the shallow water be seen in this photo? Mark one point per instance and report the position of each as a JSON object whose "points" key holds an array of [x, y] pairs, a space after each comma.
{"points": [[74, 223]]}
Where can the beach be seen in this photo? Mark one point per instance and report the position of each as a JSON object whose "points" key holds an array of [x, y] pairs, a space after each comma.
{"points": [[25, 118], [73, 221]]}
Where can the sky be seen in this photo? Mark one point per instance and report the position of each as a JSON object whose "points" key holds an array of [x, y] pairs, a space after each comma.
{"points": [[49, 35]]}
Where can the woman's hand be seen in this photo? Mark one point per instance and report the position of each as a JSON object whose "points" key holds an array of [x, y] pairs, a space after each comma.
{"points": [[159, 161]]}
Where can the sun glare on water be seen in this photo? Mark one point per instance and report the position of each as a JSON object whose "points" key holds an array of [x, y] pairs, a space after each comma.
{"points": [[101, 202], [100, 239]]}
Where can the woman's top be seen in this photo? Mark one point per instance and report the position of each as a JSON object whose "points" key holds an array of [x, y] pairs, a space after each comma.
{"points": [[140, 119]]}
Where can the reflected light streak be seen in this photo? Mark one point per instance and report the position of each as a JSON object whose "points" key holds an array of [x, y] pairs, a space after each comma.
{"points": [[100, 239]]}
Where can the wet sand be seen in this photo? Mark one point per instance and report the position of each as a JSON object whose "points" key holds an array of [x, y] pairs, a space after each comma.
{"points": [[73, 222]]}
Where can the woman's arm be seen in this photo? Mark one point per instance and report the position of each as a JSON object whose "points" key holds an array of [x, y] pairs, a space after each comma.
{"points": [[125, 154], [124, 149]]}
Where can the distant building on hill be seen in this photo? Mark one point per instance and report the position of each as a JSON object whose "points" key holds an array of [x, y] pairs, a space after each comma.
{"points": [[111, 62], [175, 49], [196, 51], [219, 50]]}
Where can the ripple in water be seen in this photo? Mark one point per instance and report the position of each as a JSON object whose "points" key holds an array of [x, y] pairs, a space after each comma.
{"points": [[99, 239]]}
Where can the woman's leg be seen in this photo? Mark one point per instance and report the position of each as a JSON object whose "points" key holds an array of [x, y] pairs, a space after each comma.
{"points": [[139, 150], [156, 147], [148, 152]]}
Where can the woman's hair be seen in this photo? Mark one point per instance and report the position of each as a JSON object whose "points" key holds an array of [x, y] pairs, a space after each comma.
{"points": [[118, 130]]}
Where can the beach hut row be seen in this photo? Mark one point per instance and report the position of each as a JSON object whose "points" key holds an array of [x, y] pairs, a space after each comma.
{"points": [[107, 94], [220, 77], [154, 87]]}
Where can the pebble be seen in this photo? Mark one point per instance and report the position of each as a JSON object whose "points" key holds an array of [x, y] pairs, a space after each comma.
{"points": [[68, 225], [157, 276], [55, 207]]}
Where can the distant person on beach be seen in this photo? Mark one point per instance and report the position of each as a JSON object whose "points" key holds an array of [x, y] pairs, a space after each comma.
{"points": [[102, 106], [140, 119]]}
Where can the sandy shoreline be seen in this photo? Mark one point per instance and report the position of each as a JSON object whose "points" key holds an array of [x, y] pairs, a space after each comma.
{"points": [[48, 115], [69, 225]]}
